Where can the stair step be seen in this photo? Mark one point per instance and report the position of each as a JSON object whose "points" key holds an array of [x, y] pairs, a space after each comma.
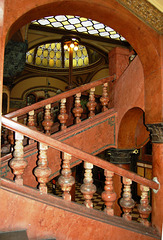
{"points": [[15, 235]]}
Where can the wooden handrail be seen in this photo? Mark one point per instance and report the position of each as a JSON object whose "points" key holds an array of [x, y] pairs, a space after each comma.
{"points": [[38, 110], [40, 137], [60, 96]]}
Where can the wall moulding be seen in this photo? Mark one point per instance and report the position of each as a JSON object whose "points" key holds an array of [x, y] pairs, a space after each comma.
{"points": [[146, 12]]}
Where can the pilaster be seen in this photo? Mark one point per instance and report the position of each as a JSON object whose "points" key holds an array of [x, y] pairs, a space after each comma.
{"points": [[156, 133]]}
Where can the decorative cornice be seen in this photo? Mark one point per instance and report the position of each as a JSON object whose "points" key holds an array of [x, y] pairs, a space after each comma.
{"points": [[156, 131], [146, 12]]}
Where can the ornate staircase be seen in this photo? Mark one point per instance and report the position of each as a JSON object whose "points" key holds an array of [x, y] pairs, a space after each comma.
{"points": [[44, 216]]}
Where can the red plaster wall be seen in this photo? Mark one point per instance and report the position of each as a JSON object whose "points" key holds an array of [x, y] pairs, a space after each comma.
{"points": [[129, 104], [44, 221]]}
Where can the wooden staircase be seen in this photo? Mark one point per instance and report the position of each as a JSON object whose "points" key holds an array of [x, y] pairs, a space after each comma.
{"points": [[45, 216]]}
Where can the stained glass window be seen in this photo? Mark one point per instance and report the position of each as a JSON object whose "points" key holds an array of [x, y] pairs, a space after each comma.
{"points": [[49, 55], [79, 24]]}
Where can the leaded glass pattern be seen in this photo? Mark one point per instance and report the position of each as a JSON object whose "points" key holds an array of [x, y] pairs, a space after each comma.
{"points": [[50, 56], [80, 57], [79, 24]]}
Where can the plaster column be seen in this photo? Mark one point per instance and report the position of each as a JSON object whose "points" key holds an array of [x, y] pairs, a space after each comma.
{"points": [[156, 131], [118, 62], [122, 158]]}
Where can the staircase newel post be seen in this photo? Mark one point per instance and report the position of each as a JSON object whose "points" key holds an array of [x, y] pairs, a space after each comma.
{"points": [[78, 109], [104, 99], [109, 196], [127, 203], [18, 163], [42, 171], [88, 188], [144, 208], [63, 116], [92, 104], [47, 123], [66, 180]]}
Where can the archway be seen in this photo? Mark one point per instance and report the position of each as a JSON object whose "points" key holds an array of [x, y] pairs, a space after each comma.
{"points": [[115, 15], [132, 131]]}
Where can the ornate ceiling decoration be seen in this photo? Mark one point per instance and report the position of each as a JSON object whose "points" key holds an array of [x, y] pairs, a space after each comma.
{"points": [[146, 12]]}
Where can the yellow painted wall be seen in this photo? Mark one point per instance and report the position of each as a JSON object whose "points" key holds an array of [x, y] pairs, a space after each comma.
{"points": [[101, 74], [20, 88]]}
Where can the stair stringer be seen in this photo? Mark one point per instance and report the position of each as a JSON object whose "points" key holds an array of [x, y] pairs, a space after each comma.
{"points": [[45, 216]]}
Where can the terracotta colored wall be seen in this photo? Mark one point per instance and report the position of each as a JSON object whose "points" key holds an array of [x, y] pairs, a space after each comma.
{"points": [[129, 103], [43, 221]]}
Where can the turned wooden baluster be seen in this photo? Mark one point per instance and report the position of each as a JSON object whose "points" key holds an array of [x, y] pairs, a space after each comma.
{"points": [[127, 203], [42, 171], [91, 104], [66, 180], [104, 99], [11, 136], [144, 208], [31, 120], [5, 134], [47, 123], [88, 188], [78, 109], [11, 139], [109, 196], [25, 120], [18, 163], [31, 123], [63, 116]]}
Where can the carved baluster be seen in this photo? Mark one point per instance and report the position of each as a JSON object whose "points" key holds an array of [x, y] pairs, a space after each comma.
{"points": [[47, 123], [31, 123], [66, 180], [31, 120], [25, 120], [63, 116], [18, 163], [78, 109], [104, 99], [42, 171], [109, 196], [91, 104], [144, 208], [127, 203], [88, 188], [5, 133], [11, 136]]}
